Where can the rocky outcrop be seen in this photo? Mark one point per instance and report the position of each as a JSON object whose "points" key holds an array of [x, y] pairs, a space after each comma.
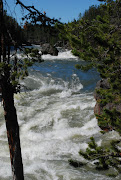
{"points": [[103, 83], [49, 49], [99, 107]]}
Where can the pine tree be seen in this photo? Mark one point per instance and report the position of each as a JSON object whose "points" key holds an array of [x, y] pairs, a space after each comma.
{"points": [[10, 73], [97, 40]]}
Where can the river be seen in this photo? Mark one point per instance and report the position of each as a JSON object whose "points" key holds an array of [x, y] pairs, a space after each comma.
{"points": [[56, 118]]}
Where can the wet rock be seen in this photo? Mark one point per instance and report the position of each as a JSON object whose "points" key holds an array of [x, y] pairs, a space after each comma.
{"points": [[49, 49], [63, 45]]}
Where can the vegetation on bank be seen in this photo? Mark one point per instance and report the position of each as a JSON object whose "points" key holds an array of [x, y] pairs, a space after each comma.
{"points": [[96, 38]]}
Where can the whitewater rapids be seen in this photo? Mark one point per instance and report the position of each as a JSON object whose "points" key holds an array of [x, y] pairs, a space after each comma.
{"points": [[56, 118]]}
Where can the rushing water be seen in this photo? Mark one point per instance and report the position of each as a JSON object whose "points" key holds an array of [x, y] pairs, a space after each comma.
{"points": [[55, 114]]}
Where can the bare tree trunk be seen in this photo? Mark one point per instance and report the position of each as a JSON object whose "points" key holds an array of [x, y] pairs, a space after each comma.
{"points": [[9, 108], [12, 130], [1, 19]]}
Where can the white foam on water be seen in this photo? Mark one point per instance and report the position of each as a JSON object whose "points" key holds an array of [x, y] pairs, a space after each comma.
{"points": [[49, 134], [56, 121], [5, 169], [66, 55]]}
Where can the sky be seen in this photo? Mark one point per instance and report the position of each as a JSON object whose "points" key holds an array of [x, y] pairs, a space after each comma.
{"points": [[67, 10]]}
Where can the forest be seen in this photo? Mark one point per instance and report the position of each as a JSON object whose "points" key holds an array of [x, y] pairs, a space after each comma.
{"points": [[94, 37]]}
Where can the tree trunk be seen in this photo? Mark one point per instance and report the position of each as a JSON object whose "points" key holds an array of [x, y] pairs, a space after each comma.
{"points": [[12, 129], [8, 104]]}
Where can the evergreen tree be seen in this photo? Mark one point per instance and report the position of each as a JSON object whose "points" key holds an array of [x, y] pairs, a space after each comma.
{"points": [[10, 73], [96, 39]]}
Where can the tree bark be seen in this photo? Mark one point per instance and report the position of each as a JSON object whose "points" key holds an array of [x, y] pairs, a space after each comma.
{"points": [[8, 104], [1, 21], [12, 129]]}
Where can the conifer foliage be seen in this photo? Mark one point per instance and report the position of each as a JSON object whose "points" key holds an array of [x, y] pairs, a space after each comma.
{"points": [[96, 38], [102, 158]]}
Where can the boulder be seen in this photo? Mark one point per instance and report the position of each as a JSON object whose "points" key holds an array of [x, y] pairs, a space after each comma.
{"points": [[63, 45], [49, 49], [103, 83]]}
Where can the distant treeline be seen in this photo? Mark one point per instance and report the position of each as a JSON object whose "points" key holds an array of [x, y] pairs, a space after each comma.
{"points": [[30, 33], [39, 34], [13, 29]]}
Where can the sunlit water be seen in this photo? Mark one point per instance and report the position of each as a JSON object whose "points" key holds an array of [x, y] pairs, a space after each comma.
{"points": [[55, 114]]}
